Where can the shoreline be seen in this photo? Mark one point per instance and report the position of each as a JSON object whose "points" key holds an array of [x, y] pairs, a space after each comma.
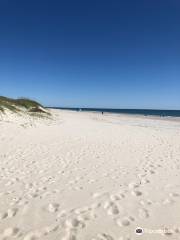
{"points": [[111, 114]]}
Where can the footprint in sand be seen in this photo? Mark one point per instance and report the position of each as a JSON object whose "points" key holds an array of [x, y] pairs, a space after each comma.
{"points": [[75, 223], [168, 201], [125, 221], [32, 236], [117, 197], [53, 207], [82, 210], [144, 181], [10, 232], [104, 236], [152, 172], [50, 229], [177, 230], [112, 206], [12, 212], [143, 213], [133, 185], [113, 210], [9, 214], [174, 195], [3, 215], [136, 193], [87, 216], [99, 194], [95, 205], [146, 202]]}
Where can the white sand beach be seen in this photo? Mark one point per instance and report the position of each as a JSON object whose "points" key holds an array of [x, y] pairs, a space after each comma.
{"points": [[87, 176]]}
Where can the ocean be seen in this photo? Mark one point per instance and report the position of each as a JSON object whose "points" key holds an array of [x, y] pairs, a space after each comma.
{"points": [[144, 112]]}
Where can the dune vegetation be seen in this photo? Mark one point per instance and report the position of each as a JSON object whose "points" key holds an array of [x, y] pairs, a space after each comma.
{"points": [[21, 105]]}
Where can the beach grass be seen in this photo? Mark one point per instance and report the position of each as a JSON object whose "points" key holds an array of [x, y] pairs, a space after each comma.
{"points": [[17, 105]]}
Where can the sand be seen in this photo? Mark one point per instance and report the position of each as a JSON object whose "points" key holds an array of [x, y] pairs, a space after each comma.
{"points": [[84, 176]]}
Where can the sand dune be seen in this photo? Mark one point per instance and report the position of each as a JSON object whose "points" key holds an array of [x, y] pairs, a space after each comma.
{"points": [[83, 176]]}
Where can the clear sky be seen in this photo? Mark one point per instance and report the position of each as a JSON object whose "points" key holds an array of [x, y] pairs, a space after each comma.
{"points": [[98, 53]]}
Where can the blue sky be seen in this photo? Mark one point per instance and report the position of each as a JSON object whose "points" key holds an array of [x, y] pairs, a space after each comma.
{"points": [[98, 53]]}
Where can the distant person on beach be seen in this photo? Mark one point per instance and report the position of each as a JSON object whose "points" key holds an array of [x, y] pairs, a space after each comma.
{"points": [[102, 113]]}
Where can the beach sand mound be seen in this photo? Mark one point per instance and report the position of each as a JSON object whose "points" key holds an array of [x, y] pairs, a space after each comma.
{"points": [[21, 105]]}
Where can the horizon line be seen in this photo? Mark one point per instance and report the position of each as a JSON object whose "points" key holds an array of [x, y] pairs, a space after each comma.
{"points": [[106, 108]]}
